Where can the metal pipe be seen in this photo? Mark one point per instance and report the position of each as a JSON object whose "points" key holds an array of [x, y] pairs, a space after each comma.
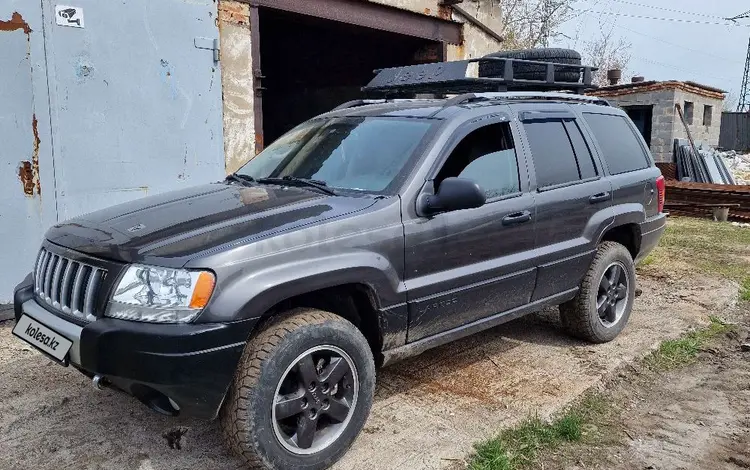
{"points": [[478, 23]]}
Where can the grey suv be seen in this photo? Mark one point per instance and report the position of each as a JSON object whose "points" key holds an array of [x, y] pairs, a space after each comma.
{"points": [[361, 237]]}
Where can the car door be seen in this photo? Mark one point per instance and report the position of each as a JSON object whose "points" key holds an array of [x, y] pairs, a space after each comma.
{"points": [[625, 153], [573, 199], [465, 265]]}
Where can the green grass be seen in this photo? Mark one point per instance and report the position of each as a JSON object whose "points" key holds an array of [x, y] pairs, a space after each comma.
{"points": [[745, 290], [683, 351], [712, 247], [517, 447]]}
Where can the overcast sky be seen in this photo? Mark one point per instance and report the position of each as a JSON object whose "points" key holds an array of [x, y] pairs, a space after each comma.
{"points": [[668, 49]]}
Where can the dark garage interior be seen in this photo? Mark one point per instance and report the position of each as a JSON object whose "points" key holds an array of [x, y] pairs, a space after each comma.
{"points": [[642, 117], [311, 65]]}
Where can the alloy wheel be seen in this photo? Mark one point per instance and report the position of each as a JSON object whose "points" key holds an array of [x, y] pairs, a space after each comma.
{"points": [[612, 296], [315, 400]]}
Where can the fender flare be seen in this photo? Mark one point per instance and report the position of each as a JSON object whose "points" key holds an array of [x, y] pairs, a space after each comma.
{"points": [[251, 294]]}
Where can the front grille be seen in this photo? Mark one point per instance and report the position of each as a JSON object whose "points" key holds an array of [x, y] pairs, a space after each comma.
{"points": [[68, 286]]}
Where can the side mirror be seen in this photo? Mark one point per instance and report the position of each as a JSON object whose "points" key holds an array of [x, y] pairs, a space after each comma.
{"points": [[452, 195]]}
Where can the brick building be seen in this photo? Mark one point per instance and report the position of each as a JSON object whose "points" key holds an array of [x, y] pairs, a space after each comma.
{"points": [[651, 105]]}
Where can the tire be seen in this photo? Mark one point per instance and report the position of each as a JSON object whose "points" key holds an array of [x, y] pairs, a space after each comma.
{"points": [[530, 71], [581, 317], [248, 417]]}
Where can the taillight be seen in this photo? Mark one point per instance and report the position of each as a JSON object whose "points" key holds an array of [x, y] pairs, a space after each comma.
{"points": [[661, 186]]}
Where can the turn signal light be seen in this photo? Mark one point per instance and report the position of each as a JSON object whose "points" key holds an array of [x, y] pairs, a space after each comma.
{"points": [[204, 287]]}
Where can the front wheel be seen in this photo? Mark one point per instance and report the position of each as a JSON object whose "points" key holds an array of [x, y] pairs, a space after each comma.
{"points": [[602, 307], [302, 392]]}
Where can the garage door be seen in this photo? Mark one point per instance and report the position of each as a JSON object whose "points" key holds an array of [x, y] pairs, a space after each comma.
{"points": [[136, 95]]}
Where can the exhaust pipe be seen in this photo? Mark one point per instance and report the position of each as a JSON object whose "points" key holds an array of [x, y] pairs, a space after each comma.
{"points": [[99, 382]]}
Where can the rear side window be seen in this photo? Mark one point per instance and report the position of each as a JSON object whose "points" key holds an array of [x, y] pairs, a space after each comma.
{"points": [[554, 160], [583, 153], [623, 151], [560, 153]]}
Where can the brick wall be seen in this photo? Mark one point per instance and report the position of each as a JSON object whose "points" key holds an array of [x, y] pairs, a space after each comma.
{"points": [[706, 133], [237, 84]]}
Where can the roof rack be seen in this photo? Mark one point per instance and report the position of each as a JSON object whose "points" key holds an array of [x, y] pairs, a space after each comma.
{"points": [[452, 78]]}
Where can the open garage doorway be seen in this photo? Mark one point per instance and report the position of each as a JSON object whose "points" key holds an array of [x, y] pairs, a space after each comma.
{"points": [[311, 65]]}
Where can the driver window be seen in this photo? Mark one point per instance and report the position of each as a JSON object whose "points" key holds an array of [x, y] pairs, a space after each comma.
{"points": [[488, 157]]}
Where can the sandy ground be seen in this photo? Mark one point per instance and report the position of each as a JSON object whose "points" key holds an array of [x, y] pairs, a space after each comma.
{"points": [[692, 418], [427, 414]]}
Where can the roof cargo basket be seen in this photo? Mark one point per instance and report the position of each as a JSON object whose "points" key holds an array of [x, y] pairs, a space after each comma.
{"points": [[451, 78]]}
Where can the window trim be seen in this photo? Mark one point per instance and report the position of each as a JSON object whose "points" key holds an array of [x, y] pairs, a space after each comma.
{"points": [[574, 122], [552, 187], [547, 115], [504, 197]]}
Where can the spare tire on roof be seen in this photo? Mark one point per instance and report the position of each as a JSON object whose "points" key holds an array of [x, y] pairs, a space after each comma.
{"points": [[532, 71]]}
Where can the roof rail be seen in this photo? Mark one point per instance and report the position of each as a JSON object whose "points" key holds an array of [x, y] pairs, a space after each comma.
{"points": [[523, 95], [452, 78], [355, 103], [531, 95]]}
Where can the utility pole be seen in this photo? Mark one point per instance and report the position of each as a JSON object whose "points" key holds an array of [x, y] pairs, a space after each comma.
{"points": [[744, 103]]}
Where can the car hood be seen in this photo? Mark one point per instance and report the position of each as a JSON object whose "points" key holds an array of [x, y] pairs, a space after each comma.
{"points": [[173, 227]]}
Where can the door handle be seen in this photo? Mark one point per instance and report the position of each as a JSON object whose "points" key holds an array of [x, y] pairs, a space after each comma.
{"points": [[517, 218], [601, 197]]}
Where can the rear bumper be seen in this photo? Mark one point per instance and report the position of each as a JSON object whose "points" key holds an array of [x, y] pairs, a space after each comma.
{"points": [[651, 232], [191, 364]]}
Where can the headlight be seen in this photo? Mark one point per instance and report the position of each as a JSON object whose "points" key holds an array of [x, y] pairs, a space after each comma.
{"points": [[161, 295]]}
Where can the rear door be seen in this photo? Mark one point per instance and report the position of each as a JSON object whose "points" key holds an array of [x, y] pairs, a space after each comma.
{"points": [[624, 152], [573, 199]]}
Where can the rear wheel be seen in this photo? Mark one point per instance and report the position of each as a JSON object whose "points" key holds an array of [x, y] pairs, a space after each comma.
{"points": [[602, 307], [302, 392]]}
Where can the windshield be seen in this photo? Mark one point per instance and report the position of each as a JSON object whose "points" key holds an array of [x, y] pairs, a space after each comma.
{"points": [[357, 153]]}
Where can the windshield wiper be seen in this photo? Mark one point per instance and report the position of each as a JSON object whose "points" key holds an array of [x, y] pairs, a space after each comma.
{"points": [[294, 181], [240, 178]]}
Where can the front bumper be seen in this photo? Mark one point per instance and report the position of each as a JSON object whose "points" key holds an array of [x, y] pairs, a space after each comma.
{"points": [[191, 364]]}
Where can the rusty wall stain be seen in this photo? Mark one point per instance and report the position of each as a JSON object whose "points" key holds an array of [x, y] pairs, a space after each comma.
{"points": [[445, 12], [28, 171], [16, 22]]}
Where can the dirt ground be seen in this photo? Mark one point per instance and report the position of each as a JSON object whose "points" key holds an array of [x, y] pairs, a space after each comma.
{"points": [[428, 410], [697, 417]]}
